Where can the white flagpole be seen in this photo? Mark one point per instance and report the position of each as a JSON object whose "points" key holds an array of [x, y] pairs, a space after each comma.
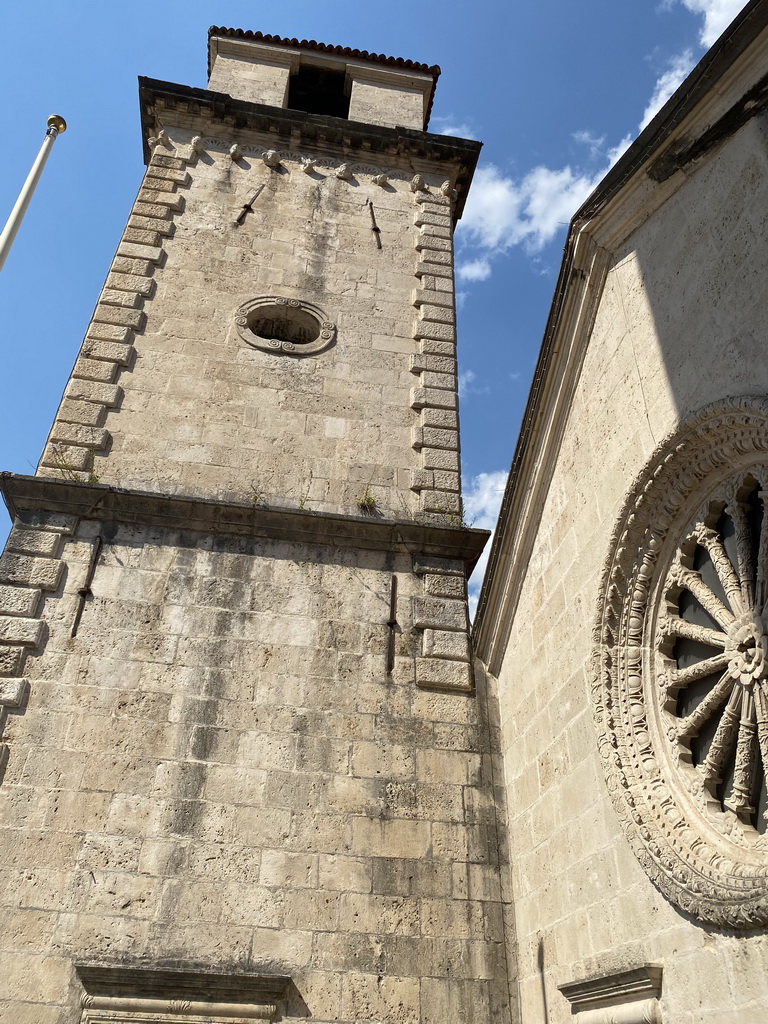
{"points": [[56, 125]]}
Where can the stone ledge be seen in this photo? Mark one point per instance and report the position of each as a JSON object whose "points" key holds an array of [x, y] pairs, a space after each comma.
{"points": [[180, 512], [13, 692]]}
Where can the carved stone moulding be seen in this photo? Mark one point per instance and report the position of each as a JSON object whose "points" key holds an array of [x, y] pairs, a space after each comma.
{"points": [[680, 670], [284, 326]]}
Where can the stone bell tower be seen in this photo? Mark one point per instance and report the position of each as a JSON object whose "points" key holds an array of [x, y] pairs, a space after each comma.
{"points": [[247, 769]]}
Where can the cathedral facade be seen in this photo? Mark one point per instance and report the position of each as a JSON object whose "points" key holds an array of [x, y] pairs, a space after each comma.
{"points": [[254, 763]]}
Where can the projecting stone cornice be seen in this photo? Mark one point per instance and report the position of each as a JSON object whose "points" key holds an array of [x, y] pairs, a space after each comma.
{"points": [[184, 512], [400, 146]]}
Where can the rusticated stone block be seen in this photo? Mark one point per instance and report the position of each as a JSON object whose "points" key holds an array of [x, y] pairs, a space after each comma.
{"points": [[120, 316], [147, 252], [93, 369], [76, 433], [142, 237], [440, 584], [440, 458], [441, 566], [114, 297], [132, 283], [435, 613], [116, 351], [45, 573], [84, 412], [166, 173], [439, 674], [439, 643], [13, 692], [441, 269], [18, 600], [428, 329], [133, 267], [424, 296], [433, 437], [92, 391], [434, 364], [16, 630], [150, 193], [109, 332], [445, 503], [436, 397], [25, 541], [66, 459]]}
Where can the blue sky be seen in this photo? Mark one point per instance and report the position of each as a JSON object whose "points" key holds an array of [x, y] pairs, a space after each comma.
{"points": [[554, 89]]}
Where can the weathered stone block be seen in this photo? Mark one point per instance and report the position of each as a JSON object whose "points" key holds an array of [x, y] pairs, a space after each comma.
{"points": [[432, 297], [132, 267], [167, 173], [108, 332], [150, 224], [78, 434], [26, 541], [132, 283], [91, 369], [113, 297], [440, 643], [433, 437], [149, 193], [30, 570], [67, 459], [437, 613], [93, 391], [440, 458], [439, 314], [152, 211], [422, 217], [438, 398], [18, 600], [442, 585], [438, 270], [436, 673], [108, 350], [142, 237], [16, 630], [428, 243], [85, 412], [119, 316], [13, 692], [148, 252], [446, 503], [434, 364], [440, 566], [444, 418], [428, 329]]}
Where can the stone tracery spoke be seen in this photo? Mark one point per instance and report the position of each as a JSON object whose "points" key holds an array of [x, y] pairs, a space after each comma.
{"points": [[689, 579], [723, 738], [762, 556], [739, 513], [727, 575], [693, 723], [675, 626], [708, 667], [739, 801]]}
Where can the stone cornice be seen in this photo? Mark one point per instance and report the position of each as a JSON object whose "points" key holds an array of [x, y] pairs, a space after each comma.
{"points": [[283, 126], [182, 512]]}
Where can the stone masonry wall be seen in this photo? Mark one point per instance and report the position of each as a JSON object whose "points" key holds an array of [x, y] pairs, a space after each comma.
{"points": [[167, 395], [681, 324], [217, 770]]}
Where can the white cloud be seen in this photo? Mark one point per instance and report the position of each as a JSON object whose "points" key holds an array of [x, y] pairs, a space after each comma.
{"points": [[679, 67], [718, 14], [502, 212], [482, 501], [465, 381], [594, 142], [474, 270], [450, 126]]}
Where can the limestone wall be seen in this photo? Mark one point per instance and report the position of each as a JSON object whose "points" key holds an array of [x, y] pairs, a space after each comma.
{"points": [[218, 771], [168, 395], [681, 324]]}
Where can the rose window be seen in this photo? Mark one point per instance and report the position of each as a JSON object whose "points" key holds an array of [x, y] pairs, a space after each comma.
{"points": [[712, 634], [680, 684]]}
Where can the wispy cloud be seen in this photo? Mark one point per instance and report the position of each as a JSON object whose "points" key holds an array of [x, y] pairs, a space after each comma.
{"points": [[452, 126], [718, 14], [504, 211], [679, 67], [482, 501], [468, 384]]}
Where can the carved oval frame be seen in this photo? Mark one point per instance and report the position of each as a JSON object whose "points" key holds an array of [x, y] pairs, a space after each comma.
{"points": [[716, 877], [248, 311]]}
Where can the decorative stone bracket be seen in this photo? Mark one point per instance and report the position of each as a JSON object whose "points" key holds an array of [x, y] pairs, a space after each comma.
{"points": [[445, 662], [30, 565]]}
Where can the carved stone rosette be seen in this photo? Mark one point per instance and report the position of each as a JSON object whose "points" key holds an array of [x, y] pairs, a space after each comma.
{"points": [[681, 665]]}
